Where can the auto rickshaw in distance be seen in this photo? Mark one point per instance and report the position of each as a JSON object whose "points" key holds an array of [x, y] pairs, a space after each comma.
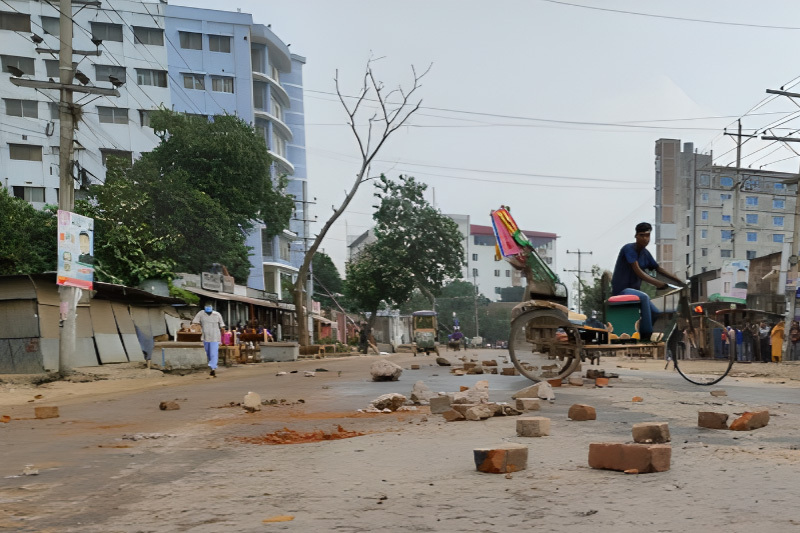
{"points": [[424, 327]]}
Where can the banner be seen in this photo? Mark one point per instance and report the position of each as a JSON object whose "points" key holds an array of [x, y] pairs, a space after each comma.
{"points": [[75, 250]]}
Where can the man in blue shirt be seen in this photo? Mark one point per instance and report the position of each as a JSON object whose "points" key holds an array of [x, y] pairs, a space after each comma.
{"points": [[629, 272]]}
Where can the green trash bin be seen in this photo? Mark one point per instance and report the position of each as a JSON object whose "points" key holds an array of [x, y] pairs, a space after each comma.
{"points": [[623, 312]]}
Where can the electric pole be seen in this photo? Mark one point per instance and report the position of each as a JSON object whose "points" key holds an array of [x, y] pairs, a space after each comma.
{"points": [[579, 272], [68, 296], [738, 184]]}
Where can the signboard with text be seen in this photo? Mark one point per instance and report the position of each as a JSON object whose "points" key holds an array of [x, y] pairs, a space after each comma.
{"points": [[75, 250]]}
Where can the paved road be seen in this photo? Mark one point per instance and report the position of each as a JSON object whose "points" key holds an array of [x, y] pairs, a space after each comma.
{"points": [[411, 472]]}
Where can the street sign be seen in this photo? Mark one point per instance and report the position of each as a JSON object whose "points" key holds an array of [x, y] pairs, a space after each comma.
{"points": [[75, 250]]}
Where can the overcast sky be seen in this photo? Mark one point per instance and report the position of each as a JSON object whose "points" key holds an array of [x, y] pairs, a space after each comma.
{"points": [[548, 107]]}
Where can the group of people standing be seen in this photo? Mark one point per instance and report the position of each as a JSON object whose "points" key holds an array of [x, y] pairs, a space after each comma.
{"points": [[761, 342]]}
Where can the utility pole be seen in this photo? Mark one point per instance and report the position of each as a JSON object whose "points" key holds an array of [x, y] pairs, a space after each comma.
{"points": [[579, 272], [475, 283], [68, 296], [738, 183]]}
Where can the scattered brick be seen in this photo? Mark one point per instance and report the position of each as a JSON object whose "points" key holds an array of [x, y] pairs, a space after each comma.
{"points": [[46, 411], [528, 404], [601, 382], [644, 458], [169, 406], [463, 388], [554, 382], [510, 371], [651, 432], [592, 373], [533, 426], [581, 412], [414, 367], [451, 415], [467, 366], [479, 412], [440, 404], [502, 459], [576, 382], [637, 399], [490, 362], [718, 393], [750, 421], [712, 420]]}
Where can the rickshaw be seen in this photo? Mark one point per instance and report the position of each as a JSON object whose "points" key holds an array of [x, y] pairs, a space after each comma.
{"points": [[424, 331], [548, 340]]}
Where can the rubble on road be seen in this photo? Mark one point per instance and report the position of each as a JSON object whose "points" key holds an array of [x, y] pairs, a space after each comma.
{"points": [[384, 370], [750, 420], [421, 393], [441, 361], [169, 406], [581, 412], [644, 458], [712, 420], [251, 402], [46, 412], [391, 401], [502, 459], [651, 433]]}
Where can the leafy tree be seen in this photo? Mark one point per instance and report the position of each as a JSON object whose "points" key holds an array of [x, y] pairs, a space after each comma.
{"points": [[416, 247], [28, 242], [326, 278], [512, 294], [180, 206]]}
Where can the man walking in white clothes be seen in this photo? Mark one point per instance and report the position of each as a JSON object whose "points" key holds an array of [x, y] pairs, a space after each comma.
{"points": [[211, 323]]}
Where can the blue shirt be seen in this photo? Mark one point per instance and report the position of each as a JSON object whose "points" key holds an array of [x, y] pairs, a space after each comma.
{"points": [[624, 277]]}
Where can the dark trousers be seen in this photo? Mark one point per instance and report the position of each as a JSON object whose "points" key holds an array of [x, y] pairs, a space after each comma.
{"points": [[766, 352]]}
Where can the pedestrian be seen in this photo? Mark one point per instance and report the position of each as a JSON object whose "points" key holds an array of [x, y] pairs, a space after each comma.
{"points": [[794, 337], [763, 341], [211, 324], [776, 337], [363, 339], [739, 345], [747, 342]]}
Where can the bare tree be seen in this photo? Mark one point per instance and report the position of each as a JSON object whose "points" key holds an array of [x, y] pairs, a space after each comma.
{"points": [[387, 119]]}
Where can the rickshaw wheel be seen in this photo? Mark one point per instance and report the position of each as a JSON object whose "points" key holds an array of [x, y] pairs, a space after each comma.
{"points": [[536, 351]]}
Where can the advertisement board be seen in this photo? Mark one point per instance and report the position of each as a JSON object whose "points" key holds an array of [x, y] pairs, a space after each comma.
{"points": [[734, 275], [75, 250]]}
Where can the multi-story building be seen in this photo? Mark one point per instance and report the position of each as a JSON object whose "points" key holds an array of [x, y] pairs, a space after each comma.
{"points": [[480, 266], [706, 214], [197, 61]]}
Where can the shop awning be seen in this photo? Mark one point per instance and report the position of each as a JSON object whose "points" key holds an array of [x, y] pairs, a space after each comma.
{"points": [[232, 297], [321, 319]]}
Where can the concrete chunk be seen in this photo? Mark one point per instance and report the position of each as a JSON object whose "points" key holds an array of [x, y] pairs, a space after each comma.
{"points": [[712, 420], [533, 426], [643, 458], [651, 432], [451, 415], [581, 412], [528, 404], [440, 404], [501, 459]]}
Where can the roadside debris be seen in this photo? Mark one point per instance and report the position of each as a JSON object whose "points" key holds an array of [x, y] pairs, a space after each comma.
{"points": [[251, 402], [421, 393], [384, 370], [146, 436], [169, 406], [290, 436], [750, 421], [391, 401], [46, 412]]}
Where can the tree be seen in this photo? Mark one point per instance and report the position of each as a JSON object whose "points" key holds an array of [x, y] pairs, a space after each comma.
{"points": [[594, 296], [326, 279], [512, 294], [180, 206], [416, 247], [28, 242], [389, 118]]}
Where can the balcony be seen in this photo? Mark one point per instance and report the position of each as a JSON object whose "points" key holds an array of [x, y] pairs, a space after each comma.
{"points": [[281, 127], [275, 88], [282, 163]]}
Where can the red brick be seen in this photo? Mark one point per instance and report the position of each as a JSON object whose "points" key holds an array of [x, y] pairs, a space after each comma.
{"points": [[601, 382], [502, 459], [637, 399], [641, 457], [554, 382], [750, 421], [651, 432], [580, 412], [46, 411]]}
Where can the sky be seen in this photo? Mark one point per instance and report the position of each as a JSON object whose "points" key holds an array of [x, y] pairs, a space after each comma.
{"points": [[552, 108]]}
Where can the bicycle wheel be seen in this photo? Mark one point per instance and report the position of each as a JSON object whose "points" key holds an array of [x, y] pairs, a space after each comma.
{"points": [[705, 361], [536, 348]]}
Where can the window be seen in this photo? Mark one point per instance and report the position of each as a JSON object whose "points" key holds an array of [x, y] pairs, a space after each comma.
{"points": [[53, 107], [474, 272], [726, 218], [51, 25], [278, 145], [102, 73], [219, 43], [146, 76], [751, 254], [725, 253], [221, 84], [22, 108], [15, 21], [112, 115], [777, 221], [191, 41], [704, 197], [704, 180], [779, 186], [25, 64], [106, 31], [703, 215], [119, 154], [704, 252], [777, 237], [284, 245], [726, 181], [778, 203], [276, 75], [483, 240], [751, 183], [704, 234], [152, 36], [29, 194], [687, 259], [277, 109], [725, 196], [474, 257], [726, 234], [687, 240], [266, 244], [508, 273], [752, 201], [194, 81], [144, 118], [751, 218], [752, 236], [497, 273], [24, 152]]}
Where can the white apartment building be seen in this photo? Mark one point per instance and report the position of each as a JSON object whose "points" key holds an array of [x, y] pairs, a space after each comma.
{"points": [[706, 214]]}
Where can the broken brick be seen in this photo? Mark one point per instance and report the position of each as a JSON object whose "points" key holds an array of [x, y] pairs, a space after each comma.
{"points": [[533, 426], [45, 411], [643, 458], [750, 421], [581, 412], [502, 459], [651, 432], [712, 420]]}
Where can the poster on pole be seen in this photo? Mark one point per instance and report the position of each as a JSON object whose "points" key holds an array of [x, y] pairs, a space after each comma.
{"points": [[75, 250], [734, 275]]}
